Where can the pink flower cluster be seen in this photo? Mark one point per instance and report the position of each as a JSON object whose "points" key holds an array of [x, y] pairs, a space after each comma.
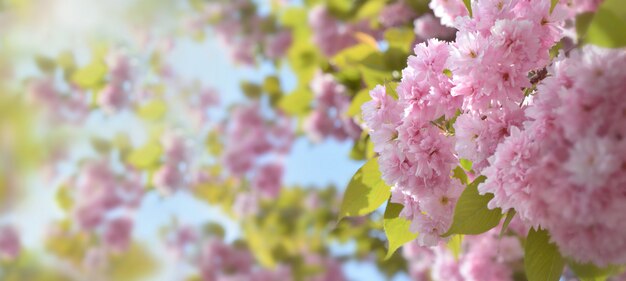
{"points": [[170, 177], [251, 137], [428, 26], [486, 257], [57, 106], [564, 169], [10, 246], [115, 94], [328, 119], [396, 14], [245, 32], [220, 261], [330, 34], [223, 262], [480, 76], [104, 203]]}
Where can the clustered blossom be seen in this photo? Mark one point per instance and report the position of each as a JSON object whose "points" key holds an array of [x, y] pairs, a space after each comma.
{"points": [[332, 35], [329, 118], [170, 177], [486, 257], [396, 14], [217, 260], [477, 80], [105, 202], [246, 33], [428, 26], [116, 94], [250, 137], [563, 169], [448, 10], [57, 106], [10, 246]]}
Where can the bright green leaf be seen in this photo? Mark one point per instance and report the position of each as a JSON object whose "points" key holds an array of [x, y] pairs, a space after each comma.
{"points": [[296, 103], [271, 85], [146, 157], [509, 217], [468, 5], [553, 4], [607, 28], [64, 198], [400, 38], [590, 272], [542, 260], [355, 107], [455, 245], [583, 21], [353, 55], [471, 215], [370, 9], [366, 191], [466, 164], [91, 76], [137, 263], [397, 229], [152, 110]]}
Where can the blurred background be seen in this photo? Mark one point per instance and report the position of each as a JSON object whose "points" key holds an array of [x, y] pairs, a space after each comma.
{"points": [[178, 140]]}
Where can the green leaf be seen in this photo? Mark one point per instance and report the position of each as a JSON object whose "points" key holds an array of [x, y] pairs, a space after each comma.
{"points": [[251, 90], [397, 229], [366, 191], [355, 107], [455, 245], [607, 26], [146, 157], [400, 38], [296, 103], [137, 263], [45, 64], [583, 21], [590, 272], [542, 260], [471, 215], [353, 55], [152, 110], [91, 76], [466, 164], [359, 149], [370, 9], [271, 85], [64, 198], [459, 174], [553, 4], [373, 77], [509, 217], [468, 5]]}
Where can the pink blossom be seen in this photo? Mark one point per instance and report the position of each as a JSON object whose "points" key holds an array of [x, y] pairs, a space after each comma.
{"points": [[9, 243], [448, 10], [112, 98], [117, 233], [268, 179], [427, 27], [563, 169], [396, 14]]}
